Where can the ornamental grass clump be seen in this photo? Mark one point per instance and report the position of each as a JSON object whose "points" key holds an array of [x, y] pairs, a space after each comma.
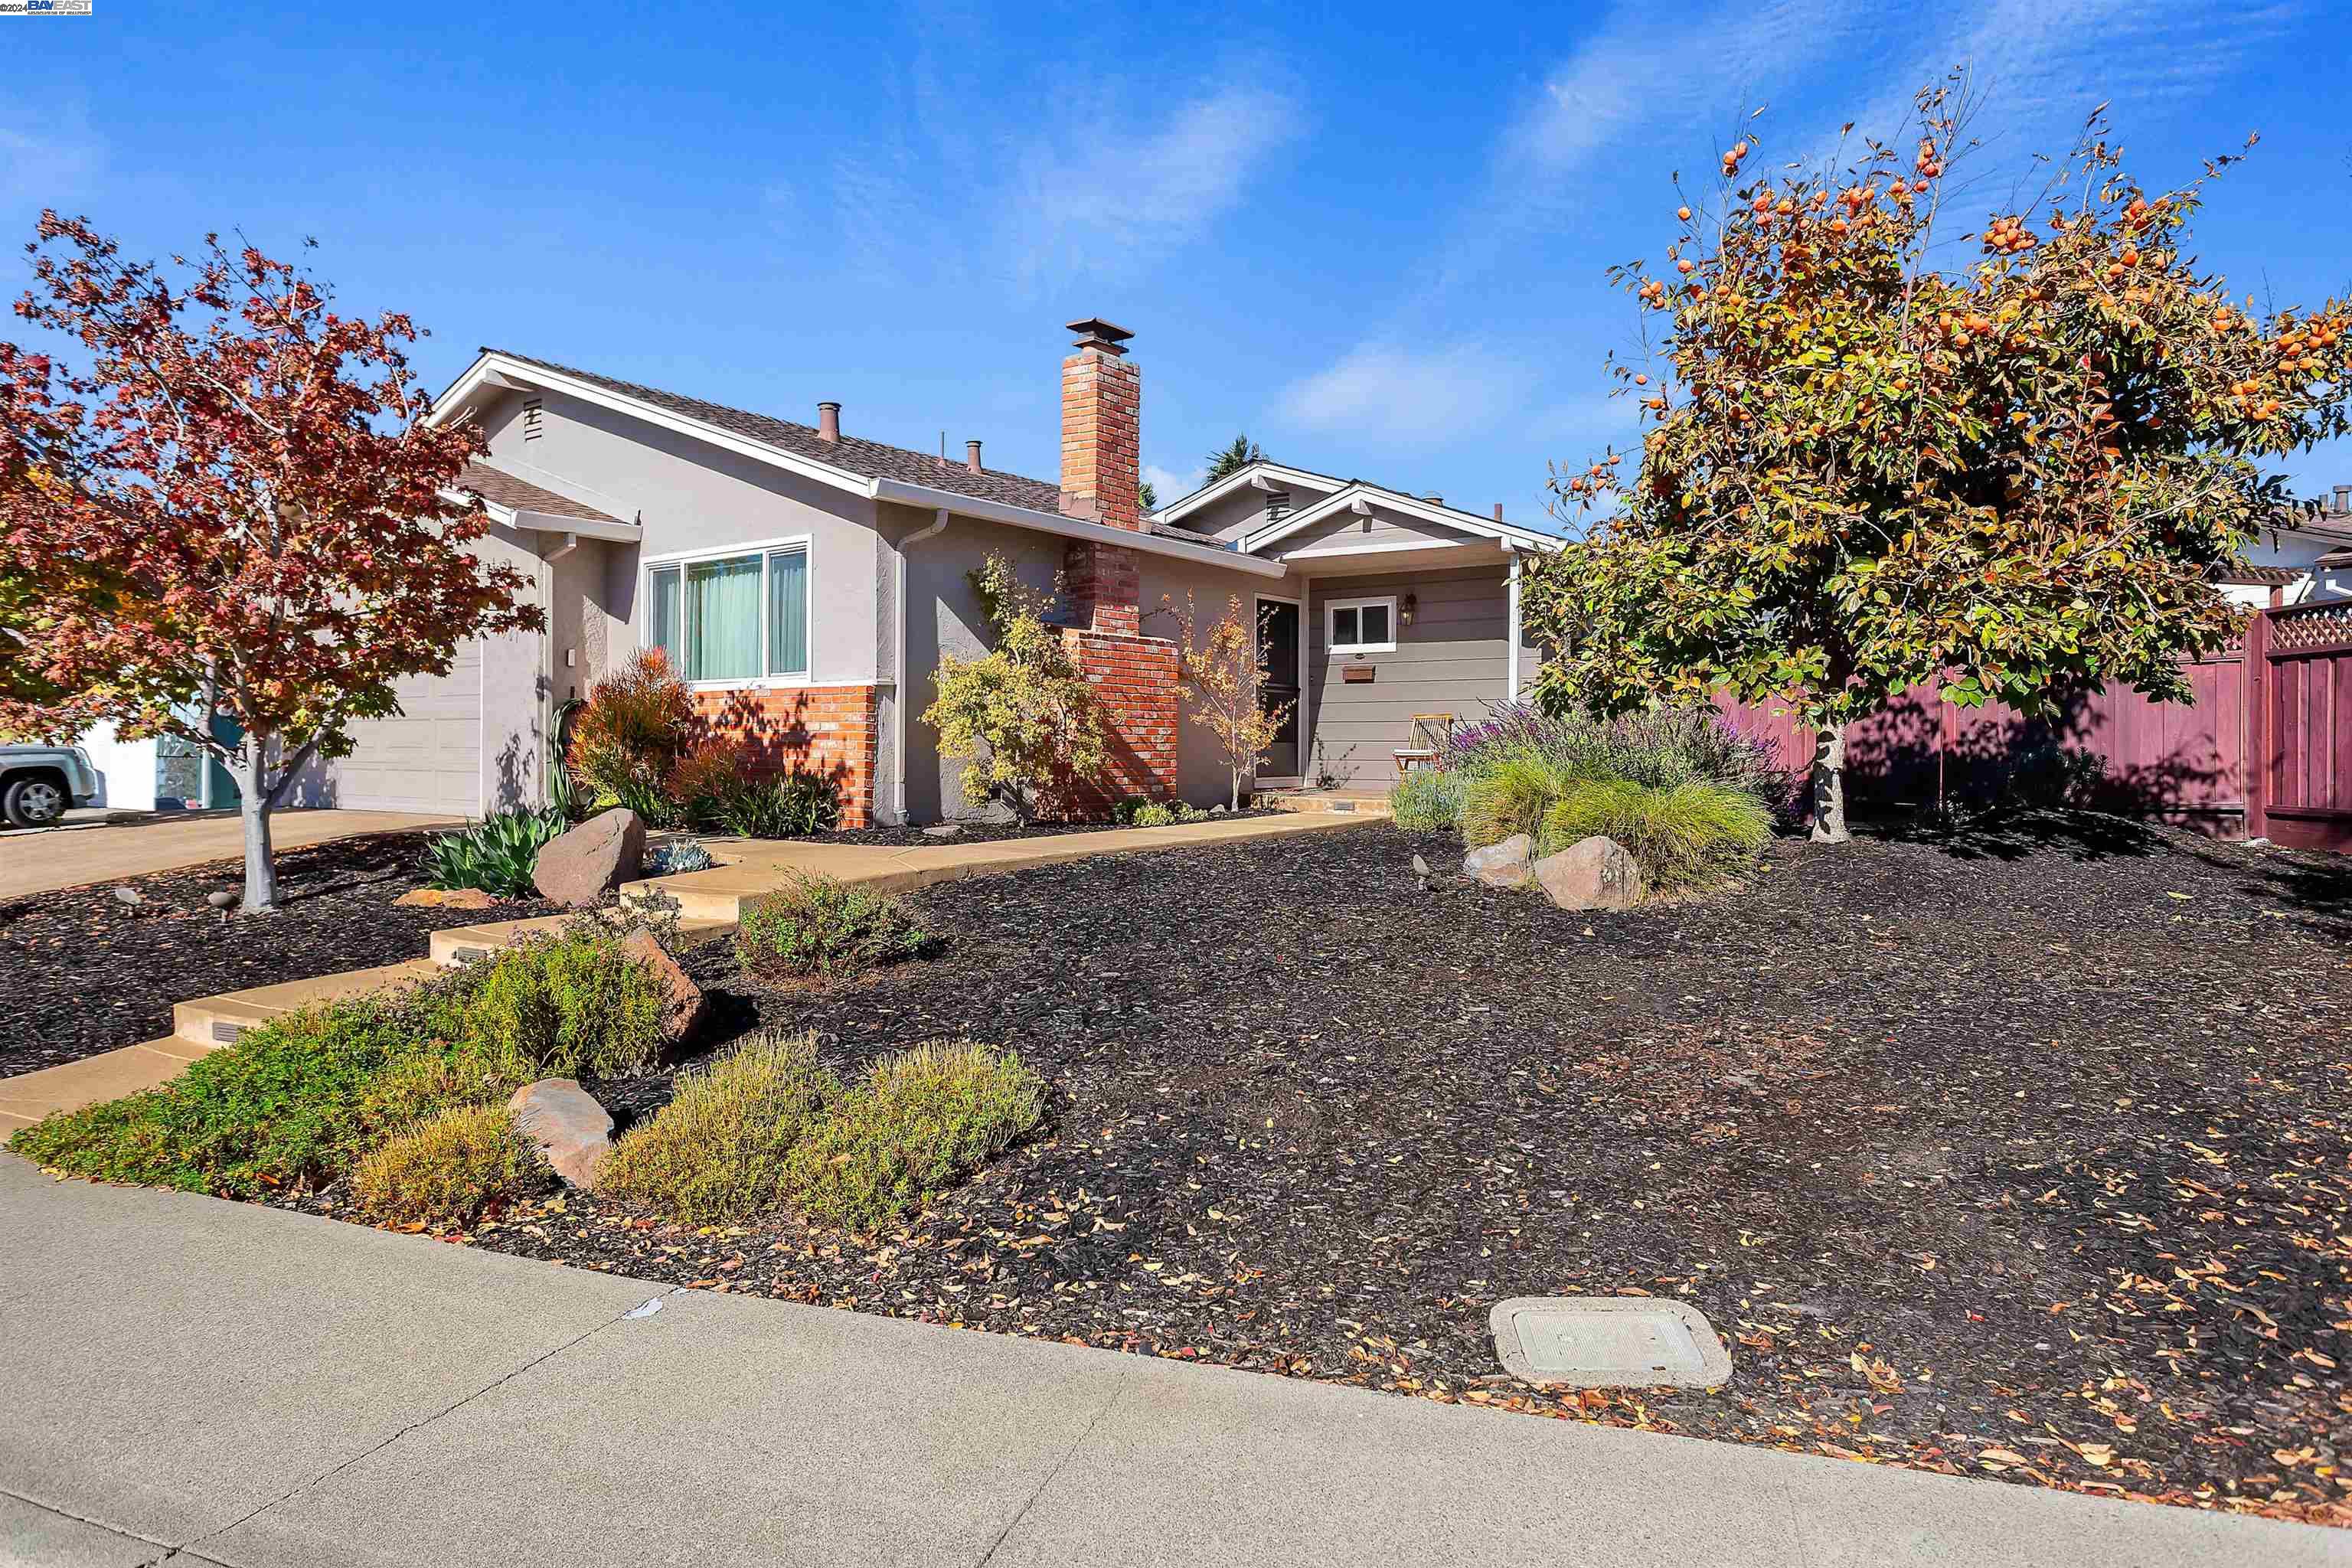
{"points": [[1427, 800], [446, 1169], [818, 926], [718, 1154], [1694, 833], [1511, 797], [918, 1123]]}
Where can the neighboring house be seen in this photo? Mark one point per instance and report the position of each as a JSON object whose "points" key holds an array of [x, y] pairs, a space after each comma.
{"points": [[805, 583], [2301, 558]]}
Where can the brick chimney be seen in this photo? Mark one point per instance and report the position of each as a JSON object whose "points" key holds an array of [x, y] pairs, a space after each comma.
{"points": [[1102, 399], [1102, 405]]}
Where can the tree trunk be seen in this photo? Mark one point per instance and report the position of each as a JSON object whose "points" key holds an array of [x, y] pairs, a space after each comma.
{"points": [[1829, 784], [260, 870], [1237, 789]]}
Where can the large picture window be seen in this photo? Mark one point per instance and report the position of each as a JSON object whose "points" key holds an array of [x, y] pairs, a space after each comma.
{"points": [[732, 619], [1360, 626]]}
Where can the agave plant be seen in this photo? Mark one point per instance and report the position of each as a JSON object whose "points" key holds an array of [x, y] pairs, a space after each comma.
{"points": [[497, 854]]}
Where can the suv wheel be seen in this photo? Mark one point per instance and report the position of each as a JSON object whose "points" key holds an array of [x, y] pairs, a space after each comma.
{"points": [[32, 800]]}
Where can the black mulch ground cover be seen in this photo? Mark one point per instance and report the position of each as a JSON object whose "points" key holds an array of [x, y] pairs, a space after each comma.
{"points": [[975, 831], [84, 971], [2024, 1153]]}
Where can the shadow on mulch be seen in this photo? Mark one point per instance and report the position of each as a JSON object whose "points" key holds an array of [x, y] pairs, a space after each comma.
{"points": [[88, 971], [2018, 834], [2033, 1165]]}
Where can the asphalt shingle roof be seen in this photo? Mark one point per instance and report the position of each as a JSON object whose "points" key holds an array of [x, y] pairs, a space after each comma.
{"points": [[505, 489], [873, 459]]}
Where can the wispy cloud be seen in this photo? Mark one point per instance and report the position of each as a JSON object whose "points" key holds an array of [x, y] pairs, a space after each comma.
{"points": [[1399, 397], [1169, 484], [1090, 203], [1095, 183]]}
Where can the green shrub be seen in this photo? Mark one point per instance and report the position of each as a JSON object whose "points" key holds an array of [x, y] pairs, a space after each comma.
{"points": [[816, 925], [446, 1169], [292, 1102], [918, 1122], [1511, 797], [571, 1005], [1426, 800], [1166, 813], [1689, 834], [498, 854], [718, 1153]]}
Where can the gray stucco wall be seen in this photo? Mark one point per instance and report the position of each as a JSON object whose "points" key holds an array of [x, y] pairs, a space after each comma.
{"points": [[1245, 507], [1454, 659], [691, 496], [1202, 776]]}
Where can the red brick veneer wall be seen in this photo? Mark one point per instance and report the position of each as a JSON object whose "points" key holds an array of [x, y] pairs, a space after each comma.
{"points": [[829, 731], [1134, 682]]}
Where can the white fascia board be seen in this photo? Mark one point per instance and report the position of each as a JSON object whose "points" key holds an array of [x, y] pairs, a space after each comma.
{"points": [[496, 370], [1245, 477], [1411, 506], [907, 493], [1500, 546]]}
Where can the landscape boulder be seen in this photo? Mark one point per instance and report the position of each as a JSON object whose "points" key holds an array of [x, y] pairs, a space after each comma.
{"points": [[567, 1125], [1593, 873], [1503, 865], [447, 898], [581, 866], [682, 1000]]}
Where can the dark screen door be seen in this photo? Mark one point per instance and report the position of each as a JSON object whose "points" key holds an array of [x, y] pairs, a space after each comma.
{"points": [[1277, 641]]}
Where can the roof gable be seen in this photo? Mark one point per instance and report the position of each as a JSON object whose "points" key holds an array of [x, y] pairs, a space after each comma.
{"points": [[1358, 494]]}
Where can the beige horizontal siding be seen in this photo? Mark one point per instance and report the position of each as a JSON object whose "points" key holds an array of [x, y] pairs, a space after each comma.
{"points": [[1454, 659]]}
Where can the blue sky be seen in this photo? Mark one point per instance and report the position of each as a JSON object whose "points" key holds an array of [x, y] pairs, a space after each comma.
{"points": [[1372, 236]]}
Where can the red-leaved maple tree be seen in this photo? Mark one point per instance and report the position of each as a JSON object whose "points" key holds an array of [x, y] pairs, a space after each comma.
{"points": [[233, 509]]}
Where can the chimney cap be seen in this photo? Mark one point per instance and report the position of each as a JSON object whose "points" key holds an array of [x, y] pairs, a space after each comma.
{"points": [[1094, 332]]}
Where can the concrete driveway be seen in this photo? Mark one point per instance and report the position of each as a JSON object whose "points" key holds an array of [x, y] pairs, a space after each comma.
{"points": [[205, 1383], [77, 857]]}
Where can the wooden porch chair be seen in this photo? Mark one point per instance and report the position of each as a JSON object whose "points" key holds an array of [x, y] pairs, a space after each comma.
{"points": [[1429, 733]]}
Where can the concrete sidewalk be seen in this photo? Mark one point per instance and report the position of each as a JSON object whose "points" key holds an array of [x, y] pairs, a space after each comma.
{"points": [[212, 1382], [76, 857]]}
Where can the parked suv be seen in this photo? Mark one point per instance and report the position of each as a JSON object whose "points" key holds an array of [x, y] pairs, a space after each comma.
{"points": [[38, 783]]}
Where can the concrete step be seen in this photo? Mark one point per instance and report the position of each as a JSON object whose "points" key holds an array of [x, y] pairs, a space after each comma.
{"points": [[1344, 804], [209, 1021], [463, 944]]}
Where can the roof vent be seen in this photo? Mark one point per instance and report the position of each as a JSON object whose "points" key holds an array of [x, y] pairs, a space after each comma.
{"points": [[2343, 498], [531, 415], [1434, 499], [828, 421], [1277, 505], [972, 457]]}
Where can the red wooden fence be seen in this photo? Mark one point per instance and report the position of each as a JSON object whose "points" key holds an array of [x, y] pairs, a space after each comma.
{"points": [[2286, 697]]}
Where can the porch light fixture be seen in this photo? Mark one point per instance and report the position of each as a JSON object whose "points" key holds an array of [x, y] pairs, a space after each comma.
{"points": [[1405, 609]]}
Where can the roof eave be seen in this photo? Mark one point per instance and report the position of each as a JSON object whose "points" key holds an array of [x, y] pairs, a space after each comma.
{"points": [[906, 492]]}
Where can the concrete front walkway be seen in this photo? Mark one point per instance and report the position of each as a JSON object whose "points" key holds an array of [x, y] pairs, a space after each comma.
{"points": [[76, 857], [211, 1382]]}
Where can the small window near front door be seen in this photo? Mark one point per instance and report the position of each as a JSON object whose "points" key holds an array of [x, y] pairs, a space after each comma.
{"points": [[1361, 626]]}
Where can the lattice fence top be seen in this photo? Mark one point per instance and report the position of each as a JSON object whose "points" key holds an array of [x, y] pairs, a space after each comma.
{"points": [[2307, 626]]}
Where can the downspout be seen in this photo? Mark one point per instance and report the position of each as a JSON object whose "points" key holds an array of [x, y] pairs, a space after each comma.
{"points": [[898, 671], [547, 663], [1513, 695]]}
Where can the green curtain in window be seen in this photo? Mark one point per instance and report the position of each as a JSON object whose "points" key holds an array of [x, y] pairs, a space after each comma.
{"points": [[722, 619], [661, 614], [788, 652]]}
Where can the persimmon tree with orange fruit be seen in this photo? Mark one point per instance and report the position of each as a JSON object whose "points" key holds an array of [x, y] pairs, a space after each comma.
{"points": [[1862, 470]]}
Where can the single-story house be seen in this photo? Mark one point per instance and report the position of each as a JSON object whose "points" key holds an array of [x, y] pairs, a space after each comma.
{"points": [[2302, 557], [805, 581]]}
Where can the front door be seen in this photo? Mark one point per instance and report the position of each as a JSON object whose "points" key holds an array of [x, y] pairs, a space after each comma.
{"points": [[1277, 641]]}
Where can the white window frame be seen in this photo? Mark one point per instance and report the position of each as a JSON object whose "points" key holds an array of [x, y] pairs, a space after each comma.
{"points": [[1331, 608], [766, 550]]}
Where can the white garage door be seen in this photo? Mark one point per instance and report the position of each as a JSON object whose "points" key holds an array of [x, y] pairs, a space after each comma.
{"points": [[429, 758]]}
